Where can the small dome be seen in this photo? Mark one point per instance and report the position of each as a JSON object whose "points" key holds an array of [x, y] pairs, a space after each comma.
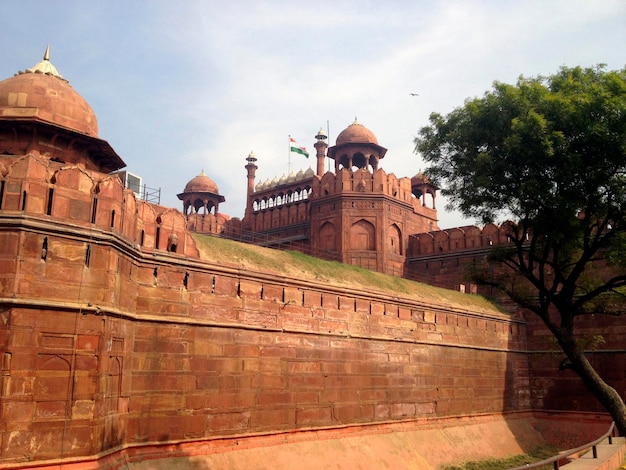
{"points": [[299, 175], [291, 178], [259, 186], [42, 94], [267, 184], [201, 184], [356, 133], [282, 180], [420, 178], [309, 173], [274, 182]]}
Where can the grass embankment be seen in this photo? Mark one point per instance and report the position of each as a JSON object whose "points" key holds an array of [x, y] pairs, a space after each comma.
{"points": [[296, 265], [536, 455]]}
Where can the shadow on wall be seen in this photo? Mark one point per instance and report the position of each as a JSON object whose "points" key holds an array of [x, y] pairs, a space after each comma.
{"points": [[177, 462], [517, 398]]}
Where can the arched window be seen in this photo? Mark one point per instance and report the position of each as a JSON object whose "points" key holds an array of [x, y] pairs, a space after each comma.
{"points": [[395, 240], [359, 161]]}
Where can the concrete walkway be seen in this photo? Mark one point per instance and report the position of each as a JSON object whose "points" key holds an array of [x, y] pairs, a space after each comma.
{"points": [[610, 457]]}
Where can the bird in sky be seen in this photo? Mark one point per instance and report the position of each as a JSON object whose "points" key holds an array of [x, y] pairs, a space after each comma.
{"points": [[414, 94]]}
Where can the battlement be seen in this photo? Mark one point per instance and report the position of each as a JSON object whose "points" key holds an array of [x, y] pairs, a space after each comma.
{"points": [[174, 348], [457, 239], [37, 186]]}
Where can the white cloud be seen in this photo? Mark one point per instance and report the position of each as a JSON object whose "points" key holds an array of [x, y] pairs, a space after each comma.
{"points": [[183, 86]]}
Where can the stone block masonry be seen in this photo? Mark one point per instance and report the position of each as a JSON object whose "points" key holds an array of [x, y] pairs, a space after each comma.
{"points": [[141, 348]]}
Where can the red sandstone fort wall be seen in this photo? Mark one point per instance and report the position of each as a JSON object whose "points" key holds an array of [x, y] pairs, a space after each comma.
{"points": [[138, 348], [114, 333], [444, 258], [556, 388]]}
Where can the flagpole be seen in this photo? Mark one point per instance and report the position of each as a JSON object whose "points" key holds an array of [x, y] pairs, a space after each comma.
{"points": [[289, 155], [328, 137]]}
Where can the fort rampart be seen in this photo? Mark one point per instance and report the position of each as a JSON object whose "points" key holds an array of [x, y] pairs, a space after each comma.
{"points": [[115, 332], [134, 346], [445, 258]]}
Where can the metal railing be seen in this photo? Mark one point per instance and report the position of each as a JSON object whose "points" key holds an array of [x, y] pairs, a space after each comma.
{"points": [[555, 460], [152, 195]]}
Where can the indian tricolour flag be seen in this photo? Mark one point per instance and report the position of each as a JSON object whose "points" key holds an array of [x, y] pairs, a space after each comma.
{"points": [[297, 148]]}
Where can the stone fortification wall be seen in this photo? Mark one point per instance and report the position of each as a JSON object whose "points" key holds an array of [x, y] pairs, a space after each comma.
{"points": [[115, 333], [35, 186], [442, 258], [150, 346], [556, 387]]}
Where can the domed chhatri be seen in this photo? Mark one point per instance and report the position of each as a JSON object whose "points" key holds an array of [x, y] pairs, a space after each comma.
{"points": [[41, 94], [356, 148], [201, 193], [356, 133], [201, 184]]}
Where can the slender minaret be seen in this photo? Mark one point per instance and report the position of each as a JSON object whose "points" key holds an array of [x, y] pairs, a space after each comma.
{"points": [[251, 168], [321, 145]]}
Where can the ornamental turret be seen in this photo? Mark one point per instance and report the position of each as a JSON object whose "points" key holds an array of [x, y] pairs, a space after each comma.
{"points": [[356, 147], [321, 145]]}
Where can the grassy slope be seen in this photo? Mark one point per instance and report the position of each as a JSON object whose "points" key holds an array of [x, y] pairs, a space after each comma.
{"points": [[296, 265]]}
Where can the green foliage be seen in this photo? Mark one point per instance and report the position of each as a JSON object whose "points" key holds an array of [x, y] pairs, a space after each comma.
{"points": [[541, 150], [536, 455], [549, 153]]}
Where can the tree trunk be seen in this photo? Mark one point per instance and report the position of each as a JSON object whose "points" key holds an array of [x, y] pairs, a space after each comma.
{"points": [[606, 395]]}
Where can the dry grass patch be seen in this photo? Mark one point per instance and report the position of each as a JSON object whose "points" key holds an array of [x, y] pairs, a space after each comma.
{"points": [[535, 455], [299, 266]]}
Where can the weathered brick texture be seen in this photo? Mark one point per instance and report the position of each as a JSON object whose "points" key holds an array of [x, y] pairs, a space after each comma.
{"points": [[108, 339]]}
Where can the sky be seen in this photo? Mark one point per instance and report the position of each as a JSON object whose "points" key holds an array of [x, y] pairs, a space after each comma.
{"points": [[181, 87]]}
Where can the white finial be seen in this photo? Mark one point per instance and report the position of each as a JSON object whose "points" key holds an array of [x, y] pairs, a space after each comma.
{"points": [[45, 66], [321, 135]]}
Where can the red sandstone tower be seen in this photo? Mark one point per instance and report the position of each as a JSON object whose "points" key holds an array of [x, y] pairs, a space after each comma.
{"points": [[119, 341], [357, 214], [46, 117]]}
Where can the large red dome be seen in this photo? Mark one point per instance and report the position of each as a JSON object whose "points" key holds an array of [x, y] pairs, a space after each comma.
{"points": [[356, 133], [41, 94], [201, 184]]}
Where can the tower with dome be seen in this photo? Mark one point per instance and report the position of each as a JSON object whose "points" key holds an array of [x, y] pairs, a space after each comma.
{"points": [[127, 337], [46, 117], [357, 214]]}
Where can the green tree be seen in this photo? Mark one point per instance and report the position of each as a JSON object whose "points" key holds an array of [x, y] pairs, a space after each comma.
{"points": [[548, 153]]}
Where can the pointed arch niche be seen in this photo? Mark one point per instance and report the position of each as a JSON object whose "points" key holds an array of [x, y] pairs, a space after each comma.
{"points": [[363, 236], [327, 237], [394, 243]]}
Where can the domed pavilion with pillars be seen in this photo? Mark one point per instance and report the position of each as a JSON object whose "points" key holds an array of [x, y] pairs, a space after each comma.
{"points": [[201, 194], [357, 214], [201, 200]]}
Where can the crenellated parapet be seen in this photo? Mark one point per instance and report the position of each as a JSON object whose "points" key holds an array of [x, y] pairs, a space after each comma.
{"points": [[457, 239], [33, 186], [357, 214], [445, 258]]}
